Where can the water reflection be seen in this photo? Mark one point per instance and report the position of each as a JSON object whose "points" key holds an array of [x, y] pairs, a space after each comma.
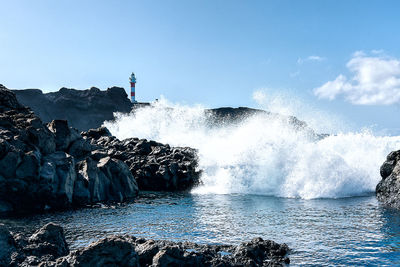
{"points": [[349, 231]]}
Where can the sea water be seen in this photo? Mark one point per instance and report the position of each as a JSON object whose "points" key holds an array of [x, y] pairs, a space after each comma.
{"points": [[347, 231], [264, 154], [263, 176]]}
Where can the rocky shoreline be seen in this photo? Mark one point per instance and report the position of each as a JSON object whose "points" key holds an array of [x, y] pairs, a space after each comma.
{"points": [[53, 166], [48, 247], [388, 189]]}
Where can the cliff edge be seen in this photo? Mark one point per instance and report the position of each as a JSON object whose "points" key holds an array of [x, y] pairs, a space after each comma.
{"points": [[83, 109]]}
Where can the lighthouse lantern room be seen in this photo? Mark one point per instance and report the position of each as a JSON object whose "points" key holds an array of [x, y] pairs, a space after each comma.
{"points": [[132, 79]]}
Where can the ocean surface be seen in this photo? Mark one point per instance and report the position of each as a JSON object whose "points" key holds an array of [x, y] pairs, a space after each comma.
{"points": [[347, 231], [263, 176]]}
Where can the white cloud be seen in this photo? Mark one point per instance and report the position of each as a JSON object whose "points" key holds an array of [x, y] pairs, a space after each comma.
{"points": [[375, 81], [310, 58]]}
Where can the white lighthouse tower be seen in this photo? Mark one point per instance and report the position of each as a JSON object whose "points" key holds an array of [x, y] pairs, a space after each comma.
{"points": [[132, 79]]}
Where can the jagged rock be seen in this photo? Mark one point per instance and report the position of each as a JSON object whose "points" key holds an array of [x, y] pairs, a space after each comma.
{"points": [[38, 169], [111, 251], [388, 189], [155, 166], [42, 138], [47, 247], [146, 251], [63, 133], [48, 240], [255, 252], [54, 167], [108, 180], [59, 171], [80, 148], [7, 246], [169, 256], [82, 195], [97, 133], [8, 101], [29, 168], [122, 184], [83, 109]]}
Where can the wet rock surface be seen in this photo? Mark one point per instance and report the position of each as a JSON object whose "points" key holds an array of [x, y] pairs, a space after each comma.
{"points": [[155, 166], [47, 247], [388, 189]]}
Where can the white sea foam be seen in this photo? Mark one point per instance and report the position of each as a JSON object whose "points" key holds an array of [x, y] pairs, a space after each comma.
{"points": [[264, 154]]}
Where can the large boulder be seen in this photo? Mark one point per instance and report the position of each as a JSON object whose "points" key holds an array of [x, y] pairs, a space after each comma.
{"points": [[58, 171], [48, 240], [107, 180], [29, 168], [122, 184], [257, 252], [388, 189], [42, 248], [110, 251], [64, 134]]}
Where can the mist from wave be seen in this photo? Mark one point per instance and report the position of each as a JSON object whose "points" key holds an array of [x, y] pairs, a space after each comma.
{"points": [[264, 153]]}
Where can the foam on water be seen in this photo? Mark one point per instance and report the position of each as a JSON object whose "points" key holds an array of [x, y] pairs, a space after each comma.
{"points": [[264, 154]]}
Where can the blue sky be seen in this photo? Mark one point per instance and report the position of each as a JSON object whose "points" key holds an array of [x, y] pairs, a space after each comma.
{"points": [[329, 55]]}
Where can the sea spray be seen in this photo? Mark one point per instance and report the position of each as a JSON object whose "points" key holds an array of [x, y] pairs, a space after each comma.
{"points": [[264, 154]]}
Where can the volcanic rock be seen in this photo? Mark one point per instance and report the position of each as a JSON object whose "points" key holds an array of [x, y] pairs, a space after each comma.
{"points": [[155, 166], [83, 109], [47, 247], [40, 164], [388, 189], [7, 246], [48, 240], [53, 167], [110, 251]]}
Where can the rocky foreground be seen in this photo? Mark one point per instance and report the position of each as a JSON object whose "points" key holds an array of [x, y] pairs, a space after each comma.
{"points": [[48, 247], [388, 189], [53, 166]]}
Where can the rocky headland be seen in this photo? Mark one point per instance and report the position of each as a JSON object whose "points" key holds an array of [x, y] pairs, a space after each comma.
{"points": [[388, 189], [52, 166], [88, 109], [83, 109], [48, 247]]}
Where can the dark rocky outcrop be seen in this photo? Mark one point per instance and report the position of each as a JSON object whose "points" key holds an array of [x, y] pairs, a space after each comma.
{"points": [[44, 166], [88, 109], [83, 109], [47, 247], [44, 246], [388, 189], [155, 166], [55, 167]]}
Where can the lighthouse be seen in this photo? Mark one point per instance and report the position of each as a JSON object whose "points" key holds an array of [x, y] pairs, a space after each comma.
{"points": [[132, 79]]}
